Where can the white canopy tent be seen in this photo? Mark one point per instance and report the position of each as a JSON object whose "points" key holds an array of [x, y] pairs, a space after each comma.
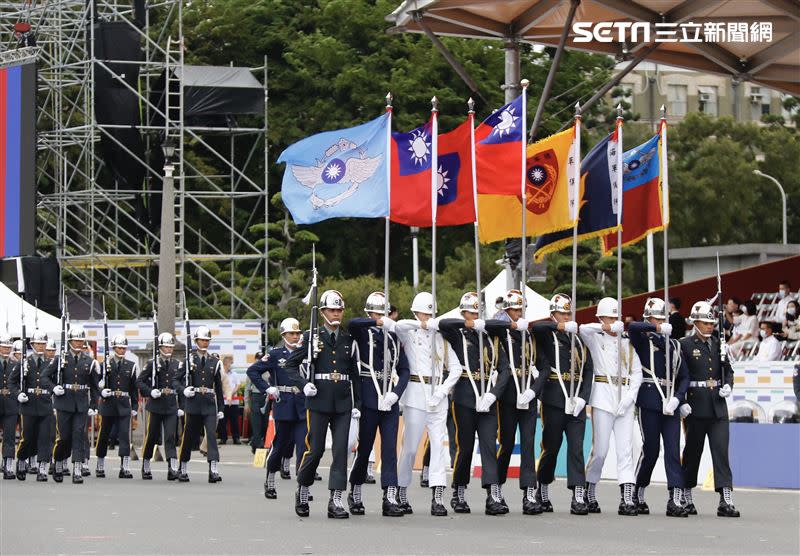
{"points": [[538, 307], [15, 308]]}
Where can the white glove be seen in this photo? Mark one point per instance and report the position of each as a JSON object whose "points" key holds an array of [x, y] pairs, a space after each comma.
{"points": [[105, 392], [265, 358], [666, 328], [389, 400], [58, 390], [273, 393], [181, 413], [725, 391], [571, 327], [310, 390], [485, 403], [220, 415], [534, 372], [527, 396], [580, 403], [617, 327], [22, 398], [522, 324], [388, 324], [672, 405], [479, 325], [624, 405], [91, 412], [134, 413], [686, 410], [355, 413], [189, 392], [432, 324], [101, 384], [438, 395], [155, 393]]}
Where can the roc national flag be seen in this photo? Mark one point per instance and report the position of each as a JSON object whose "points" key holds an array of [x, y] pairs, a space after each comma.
{"points": [[337, 174], [641, 194], [498, 150]]}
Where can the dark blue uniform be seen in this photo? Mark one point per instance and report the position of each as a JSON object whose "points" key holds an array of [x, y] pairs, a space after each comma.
{"points": [[9, 408], [369, 340], [652, 421], [289, 411]]}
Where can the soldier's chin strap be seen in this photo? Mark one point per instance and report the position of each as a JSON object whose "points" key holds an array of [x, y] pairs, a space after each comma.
{"points": [[330, 322], [697, 331]]}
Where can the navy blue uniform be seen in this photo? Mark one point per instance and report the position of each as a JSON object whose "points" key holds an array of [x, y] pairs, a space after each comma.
{"points": [[116, 409], [289, 411], [654, 425], [9, 408], [369, 340], [36, 415]]}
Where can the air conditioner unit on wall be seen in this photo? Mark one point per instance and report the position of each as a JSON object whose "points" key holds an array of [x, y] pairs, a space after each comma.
{"points": [[756, 98], [705, 97]]}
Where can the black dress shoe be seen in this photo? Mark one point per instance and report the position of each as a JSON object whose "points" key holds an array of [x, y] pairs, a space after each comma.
{"points": [[300, 509], [285, 474], [22, 473], [370, 480], [125, 474], [493, 507], [33, 469], [407, 509], [8, 475], [147, 475], [77, 479], [51, 468], [252, 449], [390, 509], [593, 507], [578, 508], [727, 510], [627, 509], [183, 477], [85, 471], [424, 483], [438, 510], [317, 477], [214, 477], [41, 477], [530, 507], [674, 510], [642, 508], [100, 473], [172, 475], [270, 493], [690, 509], [355, 508], [547, 506], [336, 512]]}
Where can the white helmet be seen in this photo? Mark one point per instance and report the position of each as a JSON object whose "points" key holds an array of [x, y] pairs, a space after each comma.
{"points": [[51, 345], [376, 303], [289, 325], [76, 332], [654, 308], [513, 300], [560, 303], [202, 333], [165, 339], [5, 340], [331, 299], [17, 346], [469, 302], [38, 337], [119, 341], [702, 311], [423, 303], [607, 308]]}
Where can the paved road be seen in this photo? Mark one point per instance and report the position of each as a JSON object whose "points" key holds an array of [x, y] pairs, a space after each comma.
{"points": [[112, 516]]}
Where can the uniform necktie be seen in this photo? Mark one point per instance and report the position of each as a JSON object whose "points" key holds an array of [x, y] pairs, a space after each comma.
{"points": [[203, 362], [333, 337]]}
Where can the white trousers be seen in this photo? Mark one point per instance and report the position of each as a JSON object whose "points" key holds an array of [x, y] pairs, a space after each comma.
{"points": [[415, 421], [603, 424]]}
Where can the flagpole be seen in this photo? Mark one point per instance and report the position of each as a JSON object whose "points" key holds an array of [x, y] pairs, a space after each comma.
{"points": [[665, 224], [523, 190], [573, 204], [386, 244], [471, 113], [434, 206], [619, 177]]}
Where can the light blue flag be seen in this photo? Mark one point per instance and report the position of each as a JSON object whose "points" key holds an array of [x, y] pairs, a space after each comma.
{"points": [[338, 174]]}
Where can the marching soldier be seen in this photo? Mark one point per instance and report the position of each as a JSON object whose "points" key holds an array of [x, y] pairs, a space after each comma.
{"points": [[36, 408], [378, 409], [565, 390], [161, 386], [705, 412], [288, 403], [612, 400], [517, 405], [9, 406], [659, 397], [204, 403], [16, 351], [331, 401], [118, 403], [474, 408], [50, 350], [75, 397], [425, 406]]}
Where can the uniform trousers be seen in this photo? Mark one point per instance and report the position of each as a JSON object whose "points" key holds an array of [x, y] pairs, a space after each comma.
{"points": [[288, 435], [415, 422], [155, 423], [372, 420], [8, 424], [467, 422], [509, 418], [604, 424], [318, 423], [258, 420], [35, 439], [192, 425], [655, 427], [718, 433], [70, 436], [123, 433], [555, 424]]}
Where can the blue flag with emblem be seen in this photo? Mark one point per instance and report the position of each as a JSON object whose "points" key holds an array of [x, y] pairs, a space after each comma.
{"points": [[338, 174]]}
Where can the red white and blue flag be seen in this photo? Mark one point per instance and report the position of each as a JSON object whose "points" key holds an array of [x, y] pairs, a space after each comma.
{"points": [[498, 150]]}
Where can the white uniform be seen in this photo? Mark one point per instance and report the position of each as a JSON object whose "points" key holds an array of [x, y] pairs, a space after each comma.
{"points": [[606, 402], [417, 413]]}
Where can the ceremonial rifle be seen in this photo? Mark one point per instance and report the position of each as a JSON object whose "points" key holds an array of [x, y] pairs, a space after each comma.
{"points": [[24, 350], [313, 333], [723, 350], [106, 347], [187, 329], [64, 334], [155, 345]]}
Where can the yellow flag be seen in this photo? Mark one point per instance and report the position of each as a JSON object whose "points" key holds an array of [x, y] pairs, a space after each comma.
{"points": [[550, 167]]}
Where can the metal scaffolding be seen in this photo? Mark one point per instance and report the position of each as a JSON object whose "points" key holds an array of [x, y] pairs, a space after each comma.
{"points": [[89, 221]]}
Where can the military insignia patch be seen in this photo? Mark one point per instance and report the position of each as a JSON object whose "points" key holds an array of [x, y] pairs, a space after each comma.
{"points": [[282, 362], [540, 183], [696, 353]]}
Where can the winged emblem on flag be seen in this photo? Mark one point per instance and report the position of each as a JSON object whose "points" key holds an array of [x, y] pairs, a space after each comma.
{"points": [[331, 172]]}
